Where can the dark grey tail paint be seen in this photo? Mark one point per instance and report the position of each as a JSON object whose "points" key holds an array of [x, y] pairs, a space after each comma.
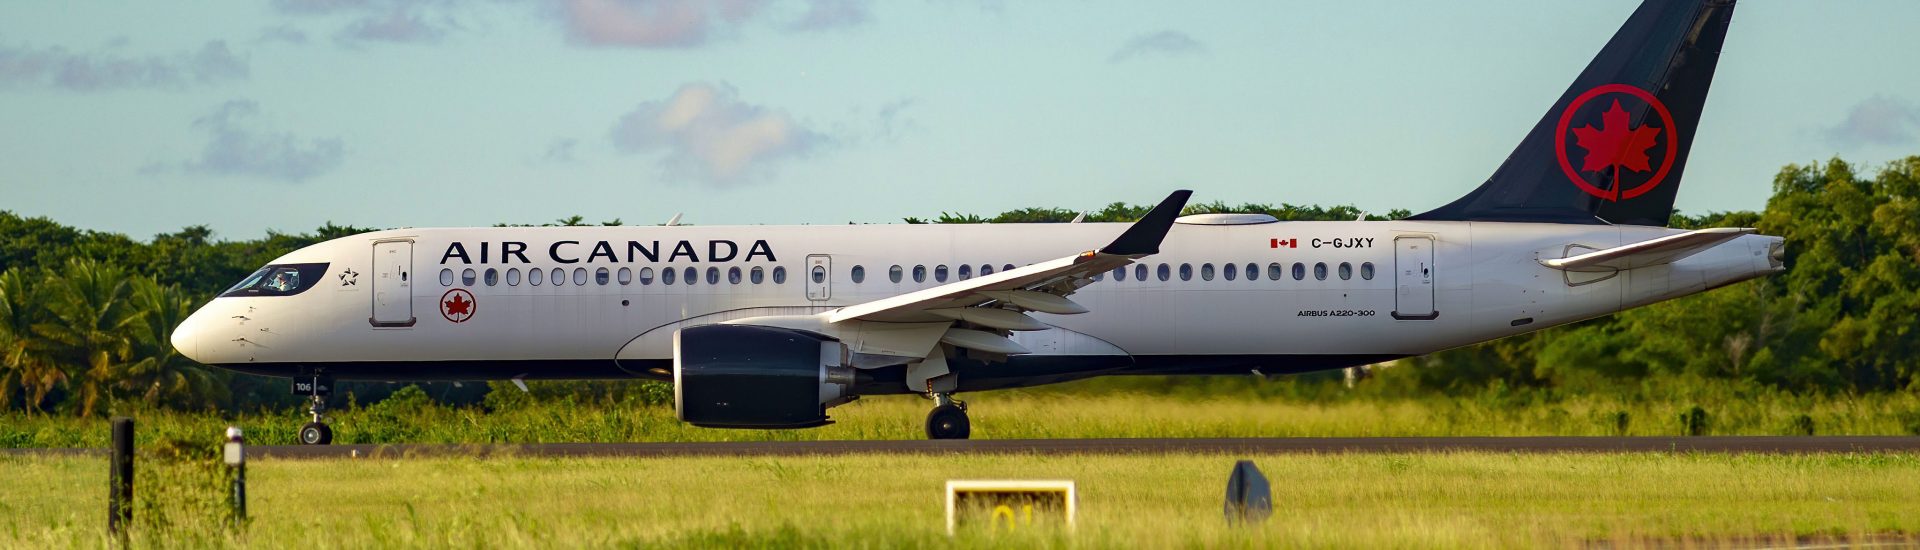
{"points": [[1581, 164]]}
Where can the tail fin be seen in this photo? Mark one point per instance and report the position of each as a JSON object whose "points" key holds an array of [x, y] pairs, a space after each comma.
{"points": [[1611, 150]]}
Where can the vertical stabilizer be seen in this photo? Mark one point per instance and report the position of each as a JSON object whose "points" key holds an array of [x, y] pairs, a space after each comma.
{"points": [[1612, 149]]}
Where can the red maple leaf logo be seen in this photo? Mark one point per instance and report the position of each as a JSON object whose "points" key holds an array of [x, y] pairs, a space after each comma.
{"points": [[458, 305], [1616, 143]]}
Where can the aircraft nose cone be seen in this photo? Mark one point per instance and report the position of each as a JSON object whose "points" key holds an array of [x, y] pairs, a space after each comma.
{"points": [[186, 337]]}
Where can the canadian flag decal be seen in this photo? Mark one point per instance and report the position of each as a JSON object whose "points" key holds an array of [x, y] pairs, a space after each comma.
{"points": [[1289, 243]]}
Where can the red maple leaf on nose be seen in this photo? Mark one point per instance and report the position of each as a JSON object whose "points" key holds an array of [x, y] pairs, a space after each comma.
{"points": [[1616, 142], [459, 305]]}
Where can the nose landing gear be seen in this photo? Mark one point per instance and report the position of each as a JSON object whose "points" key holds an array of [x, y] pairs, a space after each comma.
{"points": [[316, 387], [948, 420], [316, 432]]}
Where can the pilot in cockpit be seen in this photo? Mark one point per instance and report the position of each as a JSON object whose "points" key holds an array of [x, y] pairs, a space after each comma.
{"points": [[284, 281]]}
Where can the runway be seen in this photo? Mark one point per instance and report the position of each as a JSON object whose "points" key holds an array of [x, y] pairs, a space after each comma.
{"points": [[1726, 444], [1288, 445]]}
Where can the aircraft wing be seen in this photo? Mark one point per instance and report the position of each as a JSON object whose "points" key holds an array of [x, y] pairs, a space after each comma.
{"points": [[1663, 250], [1039, 287]]}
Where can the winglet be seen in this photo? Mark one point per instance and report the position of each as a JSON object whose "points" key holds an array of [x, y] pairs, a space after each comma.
{"points": [[1145, 235]]}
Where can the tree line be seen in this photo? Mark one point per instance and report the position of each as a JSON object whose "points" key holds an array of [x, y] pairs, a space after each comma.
{"points": [[86, 316]]}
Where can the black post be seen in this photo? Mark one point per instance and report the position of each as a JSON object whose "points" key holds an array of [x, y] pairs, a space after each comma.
{"points": [[234, 452], [120, 486]]}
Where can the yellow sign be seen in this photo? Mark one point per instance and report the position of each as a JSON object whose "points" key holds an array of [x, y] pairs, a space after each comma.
{"points": [[1009, 505]]}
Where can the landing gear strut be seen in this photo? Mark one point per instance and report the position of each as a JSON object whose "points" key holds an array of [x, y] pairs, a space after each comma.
{"points": [[316, 387], [316, 432], [948, 420]]}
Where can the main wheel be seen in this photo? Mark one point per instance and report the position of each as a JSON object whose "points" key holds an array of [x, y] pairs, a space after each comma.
{"points": [[315, 433], [948, 422]]}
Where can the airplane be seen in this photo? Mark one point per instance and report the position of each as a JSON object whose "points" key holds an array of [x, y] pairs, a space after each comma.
{"points": [[769, 327]]}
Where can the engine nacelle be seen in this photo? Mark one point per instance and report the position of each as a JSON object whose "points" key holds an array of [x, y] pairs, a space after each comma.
{"points": [[747, 376]]}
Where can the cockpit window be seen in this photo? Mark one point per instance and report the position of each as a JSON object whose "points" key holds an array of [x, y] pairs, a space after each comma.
{"points": [[279, 280]]}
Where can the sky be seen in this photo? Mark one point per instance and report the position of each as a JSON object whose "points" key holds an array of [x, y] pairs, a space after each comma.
{"points": [[146, 117]]}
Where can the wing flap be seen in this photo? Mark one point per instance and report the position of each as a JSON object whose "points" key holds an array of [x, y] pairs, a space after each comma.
{"points": [[1059, 277]]}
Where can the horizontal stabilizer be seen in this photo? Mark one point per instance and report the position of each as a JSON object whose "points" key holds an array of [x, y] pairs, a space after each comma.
{"points": [[1664, 250]]}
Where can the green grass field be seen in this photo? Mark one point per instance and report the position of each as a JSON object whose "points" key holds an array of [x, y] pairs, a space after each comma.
{"points": [[1371, 501], [1237, 411]]}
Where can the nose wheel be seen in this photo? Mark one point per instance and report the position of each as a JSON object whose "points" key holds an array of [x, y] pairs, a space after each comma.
{"points": [[948, 420], [316, 389]]}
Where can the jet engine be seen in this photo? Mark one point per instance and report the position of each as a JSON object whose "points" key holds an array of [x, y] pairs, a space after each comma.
{"points": [[747, 376]]}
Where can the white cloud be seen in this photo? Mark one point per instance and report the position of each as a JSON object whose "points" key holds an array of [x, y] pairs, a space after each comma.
{"points": [[235, 148], [55, 67], [705, 133], [1878, 120], [1168, 43], [690, 23]]}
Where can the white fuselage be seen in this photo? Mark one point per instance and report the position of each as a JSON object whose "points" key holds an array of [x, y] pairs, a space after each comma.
{"points": [[1407, 288]]}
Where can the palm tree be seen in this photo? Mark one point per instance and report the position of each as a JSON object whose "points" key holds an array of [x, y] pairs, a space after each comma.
{"points": [[159, 374], [24, 364], [89, 326]]}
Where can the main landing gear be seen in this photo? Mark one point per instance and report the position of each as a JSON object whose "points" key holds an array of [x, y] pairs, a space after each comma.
{"points": [[948, 420], [316, 387]]}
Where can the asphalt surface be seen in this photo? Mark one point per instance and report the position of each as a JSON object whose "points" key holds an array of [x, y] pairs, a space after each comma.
{"points": [[1719, 444]]}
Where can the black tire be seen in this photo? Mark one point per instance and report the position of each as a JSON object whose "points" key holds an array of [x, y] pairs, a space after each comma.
{"points": [[948, 422], [315, 433]]}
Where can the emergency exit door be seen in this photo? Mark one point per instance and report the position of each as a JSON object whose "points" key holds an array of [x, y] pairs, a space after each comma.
{"points": [[392, 284], [1413, 273], [819, 277]]}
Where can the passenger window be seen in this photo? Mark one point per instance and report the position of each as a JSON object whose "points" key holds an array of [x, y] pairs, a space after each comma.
{"points": [[1206, 272], [919, 273], [893, 273], [940, 273], [780, 275], [1366, 271], [758, 275], [1120, 273], [492, 277], [446, 277], [1186, 272], [534, 276], [1320, 271], [513, 277], [625, 276], [689, 275], [1346, 271], [1164, 271], [966, 272], [646, 275], [859, 274], [819, 274], [1140, 272], [733, 275], [1008, 267], [1101, 276], [580, 276], [986, 269], [1253, 272], [602, 276], [713, 275], [559, 276], [1299, 272], [1275, 272], [1230, 271], [468, 277], [667, 275]]}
